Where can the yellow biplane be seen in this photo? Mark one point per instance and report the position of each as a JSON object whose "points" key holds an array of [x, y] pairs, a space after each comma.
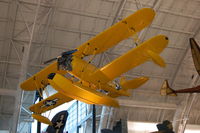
{"points": [[88, 83]]}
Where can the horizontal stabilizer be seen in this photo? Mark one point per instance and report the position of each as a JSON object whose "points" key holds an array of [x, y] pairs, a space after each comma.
{"points": [[121, 93], [42, 119], [128, 84], [134, 83], [166, 90], [156, 58]]}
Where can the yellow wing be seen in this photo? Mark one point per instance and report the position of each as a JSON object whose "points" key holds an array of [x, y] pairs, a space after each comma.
{"points": [[49, 103], [42, 119], [40, 80], [128, 84], [134, 83], [118, 32], [148, 50], [80, 92]]}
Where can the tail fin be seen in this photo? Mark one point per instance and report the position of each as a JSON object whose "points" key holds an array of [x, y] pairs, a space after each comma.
{"points": [[166, 90], [156, 58], [134, 83], [58, 121]]}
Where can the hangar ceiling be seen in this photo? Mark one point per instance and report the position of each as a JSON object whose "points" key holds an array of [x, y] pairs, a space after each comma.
{"points": [[35, 31]]}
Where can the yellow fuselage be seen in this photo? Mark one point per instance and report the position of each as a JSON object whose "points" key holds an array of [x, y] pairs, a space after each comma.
{"points": [[90, 76]]}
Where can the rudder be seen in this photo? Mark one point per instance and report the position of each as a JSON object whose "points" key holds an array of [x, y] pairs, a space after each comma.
{"points": [[166, 90]]}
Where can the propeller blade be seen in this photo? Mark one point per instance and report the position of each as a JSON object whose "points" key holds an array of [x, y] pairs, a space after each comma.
{"points": [[68, 52], [50, 60], [58, 66]]}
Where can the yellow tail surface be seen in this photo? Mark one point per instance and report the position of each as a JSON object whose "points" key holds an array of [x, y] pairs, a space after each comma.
{"points": [[166, 90], [134, 83], [129, 84], [156, 58], [42, 119]]}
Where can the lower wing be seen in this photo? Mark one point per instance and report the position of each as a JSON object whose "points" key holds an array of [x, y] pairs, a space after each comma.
{"points": [[49, 103], [39, 80], [149, 50]]}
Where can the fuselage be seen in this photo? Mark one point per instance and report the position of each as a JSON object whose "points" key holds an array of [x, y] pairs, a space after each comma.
{"points": [[189, 90], [89, 76]]}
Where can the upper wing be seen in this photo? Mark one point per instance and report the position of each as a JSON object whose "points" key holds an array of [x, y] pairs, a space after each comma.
{"points": [[39, 80], [116, 33], [49, 103], [148, 50]]}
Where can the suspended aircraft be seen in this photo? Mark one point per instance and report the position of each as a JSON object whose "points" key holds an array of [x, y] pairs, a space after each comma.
{"points": [[87, 83], [164, 127], [167, 90], [57, 124]]}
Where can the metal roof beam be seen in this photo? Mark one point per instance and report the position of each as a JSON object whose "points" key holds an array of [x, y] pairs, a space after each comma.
{"points": [[65, 10], [151, 105], [23, 71], [74, 31], [18, 63], [70, 11], [164, 11], [178, 14], [5, 1], [7, 92], [172, 30], [35, 4]]}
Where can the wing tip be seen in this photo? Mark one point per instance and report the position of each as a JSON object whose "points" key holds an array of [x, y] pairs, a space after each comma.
{"points": [[42, 119]]}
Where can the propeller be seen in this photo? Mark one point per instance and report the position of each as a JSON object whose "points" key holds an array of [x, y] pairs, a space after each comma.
{"points": [[63, 54], [68, 52], [62, 58], [50, 60]]}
